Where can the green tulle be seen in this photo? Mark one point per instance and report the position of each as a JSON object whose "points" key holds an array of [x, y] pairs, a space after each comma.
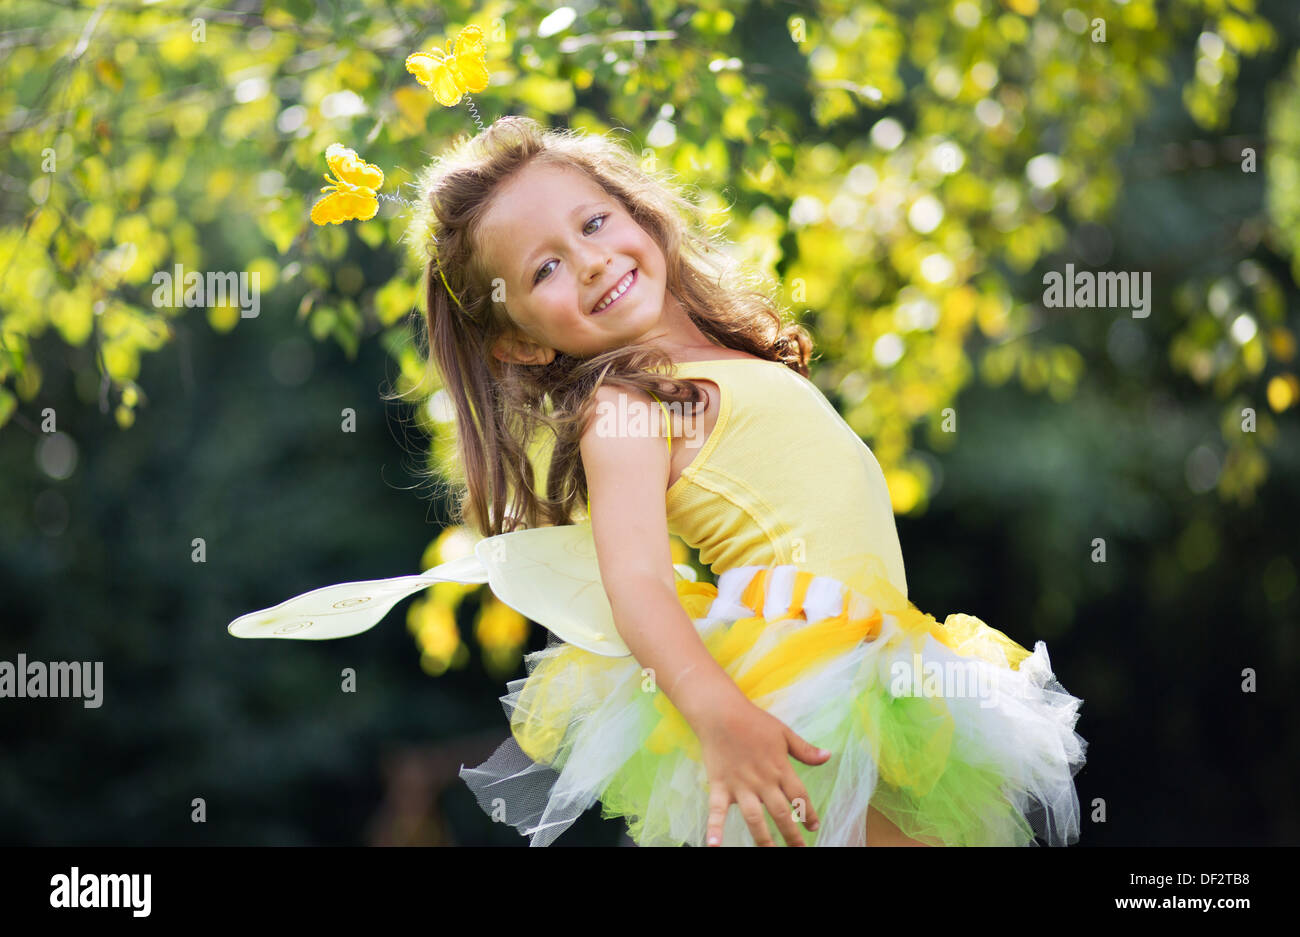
{"points": [[927, 793], [629, 793], [922, 789]]}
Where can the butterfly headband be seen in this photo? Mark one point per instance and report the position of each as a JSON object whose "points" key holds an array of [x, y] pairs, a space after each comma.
{"points": [[353, 190]]}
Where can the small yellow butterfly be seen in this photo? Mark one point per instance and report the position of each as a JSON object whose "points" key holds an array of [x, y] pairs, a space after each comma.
{"points": [[352, 195], [461, 69]]}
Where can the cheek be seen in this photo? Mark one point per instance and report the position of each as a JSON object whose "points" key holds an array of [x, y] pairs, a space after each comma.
{"points": [[560, 304], [652, 253]]}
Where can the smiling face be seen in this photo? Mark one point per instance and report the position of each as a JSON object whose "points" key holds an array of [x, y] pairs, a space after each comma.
{"points": [[563, 246]]}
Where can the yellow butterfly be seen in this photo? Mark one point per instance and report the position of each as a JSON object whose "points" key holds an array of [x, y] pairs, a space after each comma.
{"points": [[461, 69], [352, 195]]}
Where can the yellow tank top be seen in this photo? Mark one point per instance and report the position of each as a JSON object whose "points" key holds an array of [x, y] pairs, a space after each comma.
{"points": [[781, 479]]}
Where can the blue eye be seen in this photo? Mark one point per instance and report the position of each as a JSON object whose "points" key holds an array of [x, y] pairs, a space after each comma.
{"points": [[538, 276]]}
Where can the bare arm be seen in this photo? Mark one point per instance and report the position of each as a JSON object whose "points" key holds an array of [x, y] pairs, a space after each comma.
{"points": [[745, 749], [627, 478]]}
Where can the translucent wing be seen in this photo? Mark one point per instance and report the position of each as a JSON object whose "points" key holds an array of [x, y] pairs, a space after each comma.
{"points": [[549, 574], [347, 608]]}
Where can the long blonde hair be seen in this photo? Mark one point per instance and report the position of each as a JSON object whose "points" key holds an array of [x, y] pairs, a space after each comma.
{"points": [[501, 407]]}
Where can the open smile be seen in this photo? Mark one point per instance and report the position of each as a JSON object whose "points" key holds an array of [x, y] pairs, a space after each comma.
{"points": [[619, 291]]}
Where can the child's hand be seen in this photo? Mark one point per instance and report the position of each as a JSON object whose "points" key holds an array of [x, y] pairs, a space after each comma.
{"points": [[746, 753]]}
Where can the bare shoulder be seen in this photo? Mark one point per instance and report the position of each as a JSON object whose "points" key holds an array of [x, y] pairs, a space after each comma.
{"points": [[621, 449], [620, 412], [612, 393]]}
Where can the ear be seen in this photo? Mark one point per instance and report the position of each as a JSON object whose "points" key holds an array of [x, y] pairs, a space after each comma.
{"points": [[516, 348]]}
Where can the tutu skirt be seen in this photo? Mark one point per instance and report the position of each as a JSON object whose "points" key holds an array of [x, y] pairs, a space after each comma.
{"points": [[955, 733]]}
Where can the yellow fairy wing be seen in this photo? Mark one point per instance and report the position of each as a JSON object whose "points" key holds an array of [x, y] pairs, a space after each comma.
{"points": [[551, 575], [348, 608], [353, 169], [470, 40], [344, 205], [424, 66], [472, 71], [471, 59], [432, 69], [548, 574]]}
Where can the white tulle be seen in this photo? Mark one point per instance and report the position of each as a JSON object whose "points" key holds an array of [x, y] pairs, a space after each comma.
{"points": [[1023, 730]]}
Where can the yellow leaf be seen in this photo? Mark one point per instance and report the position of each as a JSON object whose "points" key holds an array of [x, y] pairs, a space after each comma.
{"points": [[393, 301], [413, 108], [904, 490], [1023, 7], [1283, 392], [121, 360], [267, 270], [222, 318], [109, 73], [550, 95], [500, 626], [1281, 344]]}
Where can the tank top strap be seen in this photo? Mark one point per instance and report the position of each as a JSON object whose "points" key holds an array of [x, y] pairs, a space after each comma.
{"points": [[667, 422]]}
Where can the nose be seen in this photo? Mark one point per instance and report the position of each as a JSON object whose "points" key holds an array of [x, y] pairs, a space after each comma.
{"points": [[595, 265]]}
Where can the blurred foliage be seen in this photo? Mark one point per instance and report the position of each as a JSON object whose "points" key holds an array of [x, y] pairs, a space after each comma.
{"points": [[905, 170], [901, 168]]}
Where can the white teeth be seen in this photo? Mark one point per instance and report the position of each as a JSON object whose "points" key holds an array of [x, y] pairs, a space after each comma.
{"points": [[618, 291]]}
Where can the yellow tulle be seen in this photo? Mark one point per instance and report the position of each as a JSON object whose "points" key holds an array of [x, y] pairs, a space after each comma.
{"points": [[561, 680], [540, 719], [783, 665], [971, 637]]}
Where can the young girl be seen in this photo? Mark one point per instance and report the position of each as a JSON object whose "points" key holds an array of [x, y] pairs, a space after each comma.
{"points": [[800, 700], [568, 287]]}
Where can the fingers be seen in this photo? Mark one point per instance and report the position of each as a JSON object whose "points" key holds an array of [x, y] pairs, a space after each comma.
{"points": [[751, 808], [801, 807], [753, 782], [805, 751], [779, 806], [719, 801], [787, 803]]}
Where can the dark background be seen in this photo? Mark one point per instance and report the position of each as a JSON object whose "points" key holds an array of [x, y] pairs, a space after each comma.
{"points": [[96, 566]]}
